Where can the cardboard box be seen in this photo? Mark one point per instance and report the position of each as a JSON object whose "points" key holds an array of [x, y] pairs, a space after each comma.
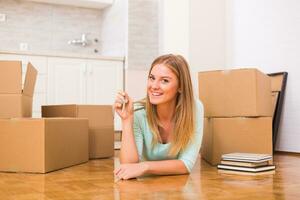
{"points": [[15, 102], [42, 145], [235, 93], [239, 134], [101, 125], [276, 82]]}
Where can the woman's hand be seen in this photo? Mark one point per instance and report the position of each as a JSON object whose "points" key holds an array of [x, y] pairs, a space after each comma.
{"points": [[132, 170], [123, 105]]}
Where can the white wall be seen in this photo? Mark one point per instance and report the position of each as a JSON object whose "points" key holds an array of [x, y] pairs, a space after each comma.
{"points": [[265, 33], [174, 27], [113, 39], [207, 37], [142, 33]]}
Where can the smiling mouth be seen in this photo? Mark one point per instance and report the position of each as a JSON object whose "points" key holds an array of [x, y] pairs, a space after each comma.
{"points": [[156, 94]]}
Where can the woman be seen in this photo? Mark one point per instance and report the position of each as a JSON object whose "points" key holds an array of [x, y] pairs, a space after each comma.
{"points": [[162, 134]]}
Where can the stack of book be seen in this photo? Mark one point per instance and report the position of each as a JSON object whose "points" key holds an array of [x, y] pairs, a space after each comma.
{"points": [[246, 163]]}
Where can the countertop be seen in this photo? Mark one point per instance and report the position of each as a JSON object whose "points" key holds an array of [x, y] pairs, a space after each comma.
{"points": [[65, 55]]}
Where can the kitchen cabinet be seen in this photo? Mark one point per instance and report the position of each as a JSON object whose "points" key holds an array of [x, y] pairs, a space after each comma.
{"points": [[104, 80], [66, 81], [83, 81]]}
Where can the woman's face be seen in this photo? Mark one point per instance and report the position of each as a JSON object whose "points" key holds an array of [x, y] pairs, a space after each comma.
{"points": [[162, 86]]}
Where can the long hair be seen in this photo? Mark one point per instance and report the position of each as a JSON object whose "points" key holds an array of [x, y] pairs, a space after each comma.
{"points": [[184, 115]]}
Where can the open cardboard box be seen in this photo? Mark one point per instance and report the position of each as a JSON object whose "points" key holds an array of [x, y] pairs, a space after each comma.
{"points": [[16, 101]]}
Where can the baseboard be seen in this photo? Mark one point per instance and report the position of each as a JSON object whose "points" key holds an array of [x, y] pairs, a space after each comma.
{"points": [[288, 153]]}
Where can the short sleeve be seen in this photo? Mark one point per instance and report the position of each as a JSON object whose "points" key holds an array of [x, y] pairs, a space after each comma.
{"points": [[190, 154], [138, 134]]}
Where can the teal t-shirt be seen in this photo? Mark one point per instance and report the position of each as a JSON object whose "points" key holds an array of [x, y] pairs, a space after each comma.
{"points": [[143, 140]]}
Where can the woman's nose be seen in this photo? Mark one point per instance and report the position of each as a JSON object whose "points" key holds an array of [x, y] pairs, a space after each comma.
{"points": [[155, 84]]}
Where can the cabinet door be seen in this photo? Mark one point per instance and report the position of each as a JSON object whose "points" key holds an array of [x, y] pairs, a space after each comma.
{"points": [[66, 81], [105, 79], [40, 90]]}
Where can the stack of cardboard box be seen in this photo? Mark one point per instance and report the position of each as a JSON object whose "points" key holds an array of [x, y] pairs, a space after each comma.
{"points": [[35, 145], [238, 112]]}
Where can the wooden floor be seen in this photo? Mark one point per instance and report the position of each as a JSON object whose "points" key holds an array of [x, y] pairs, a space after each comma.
{"points": [[95, 180]]}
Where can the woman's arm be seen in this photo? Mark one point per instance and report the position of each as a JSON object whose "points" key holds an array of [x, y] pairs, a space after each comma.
{"points": [[163, 167], [128, 152]]}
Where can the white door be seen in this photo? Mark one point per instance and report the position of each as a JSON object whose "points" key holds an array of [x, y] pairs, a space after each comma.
{"points": [[66, 81], [105, 79]]}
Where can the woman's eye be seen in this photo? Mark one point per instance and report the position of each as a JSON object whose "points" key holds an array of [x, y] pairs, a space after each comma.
{"points": [[151, 78], [165, 81]]}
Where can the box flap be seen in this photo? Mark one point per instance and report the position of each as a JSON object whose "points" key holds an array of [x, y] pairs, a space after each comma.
{"points": [[10, 77], [30, 80]]}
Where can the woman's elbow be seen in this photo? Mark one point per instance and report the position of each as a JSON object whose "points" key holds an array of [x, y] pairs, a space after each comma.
{"points": [[127, 158], [183, 169]]}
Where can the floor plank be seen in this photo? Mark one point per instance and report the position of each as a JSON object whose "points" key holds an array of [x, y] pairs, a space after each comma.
{"points": [[95, 180]]}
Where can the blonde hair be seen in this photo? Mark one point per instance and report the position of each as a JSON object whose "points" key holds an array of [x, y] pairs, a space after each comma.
{"points": [[184, 117]]}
